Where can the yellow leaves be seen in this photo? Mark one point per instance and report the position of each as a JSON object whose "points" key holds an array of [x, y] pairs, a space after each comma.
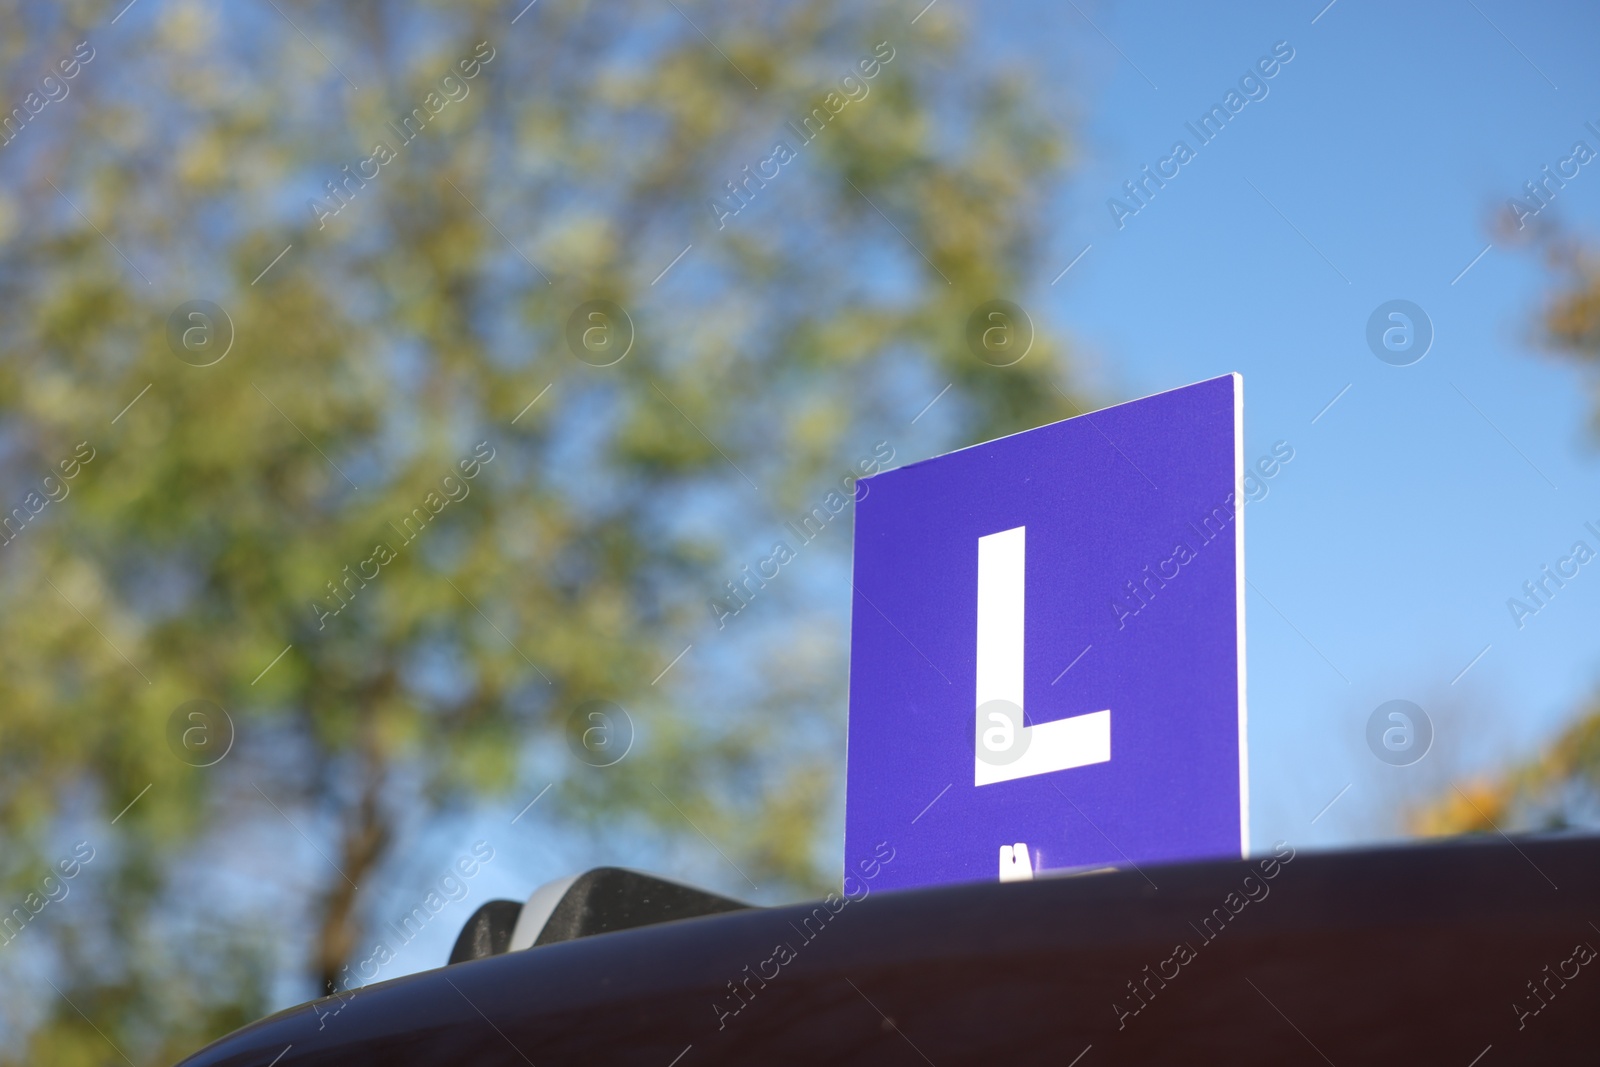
{"points": [[73, 1043], [1573, 318], [9, 217], [782, 844], [849, 338], [583, 241], [541, 141], [818, 425], [486, 759], [203, 162], [1537, 787], [57, 398], [187, 27], [1476, 807], [79, 586], [812, 436], [1576, 753], [692, 93]]}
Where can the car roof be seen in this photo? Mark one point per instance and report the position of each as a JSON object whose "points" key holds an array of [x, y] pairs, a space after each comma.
{"points": [[1431, 953]]}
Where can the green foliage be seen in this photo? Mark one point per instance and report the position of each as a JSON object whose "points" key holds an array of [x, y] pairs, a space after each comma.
{"points": [[368, 363]]}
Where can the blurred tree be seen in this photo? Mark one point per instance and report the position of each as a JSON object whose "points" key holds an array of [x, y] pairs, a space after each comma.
{"points": [[1556, 790], [398, 529], [1560, 786]]}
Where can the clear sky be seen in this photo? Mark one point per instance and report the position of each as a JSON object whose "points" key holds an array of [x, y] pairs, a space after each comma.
{"points": [[1384, 553]]}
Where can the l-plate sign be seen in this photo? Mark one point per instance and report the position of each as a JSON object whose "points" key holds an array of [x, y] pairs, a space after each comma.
{"points": [[1005, 747]]}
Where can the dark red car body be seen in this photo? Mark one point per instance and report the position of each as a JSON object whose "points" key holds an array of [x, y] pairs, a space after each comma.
{"points": [[1467, 953]]}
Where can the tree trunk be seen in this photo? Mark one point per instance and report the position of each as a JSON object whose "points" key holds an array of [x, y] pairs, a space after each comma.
{"points": [[366, 838]]}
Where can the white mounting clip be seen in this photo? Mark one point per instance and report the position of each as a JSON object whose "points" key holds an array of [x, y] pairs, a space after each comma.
{"points": [[1015, 865]]}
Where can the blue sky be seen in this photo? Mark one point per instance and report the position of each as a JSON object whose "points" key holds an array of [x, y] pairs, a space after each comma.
{"points": [[1418, 503]]}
